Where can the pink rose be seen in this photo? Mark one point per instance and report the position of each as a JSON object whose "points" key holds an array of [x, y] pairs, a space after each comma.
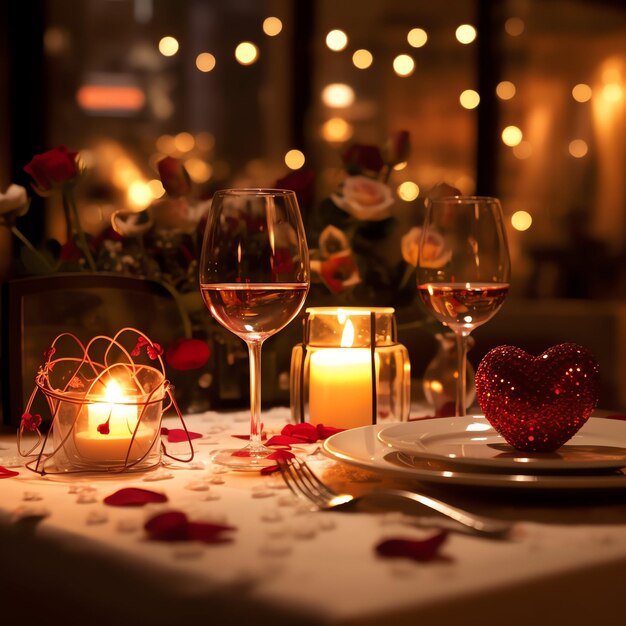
{"points": [[13, 204], [435, 253], [364, 198]]}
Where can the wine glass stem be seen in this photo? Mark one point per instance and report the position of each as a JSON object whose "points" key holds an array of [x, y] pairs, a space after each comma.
{"points": [[461, 349], [254, 351]]}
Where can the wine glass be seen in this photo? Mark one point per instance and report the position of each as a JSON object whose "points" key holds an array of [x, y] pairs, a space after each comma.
{"points": [[254, 278], [463, 268]]}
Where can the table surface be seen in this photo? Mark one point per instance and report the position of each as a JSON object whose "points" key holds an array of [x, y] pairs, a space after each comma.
{"points": [[65, 554]]}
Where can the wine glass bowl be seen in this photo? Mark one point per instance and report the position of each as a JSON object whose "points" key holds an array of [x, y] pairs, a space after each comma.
{"points": [[254, 278], [463, 268]]}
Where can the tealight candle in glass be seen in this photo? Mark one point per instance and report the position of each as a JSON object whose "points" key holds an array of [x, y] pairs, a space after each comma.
{"points": [[350, 370]]}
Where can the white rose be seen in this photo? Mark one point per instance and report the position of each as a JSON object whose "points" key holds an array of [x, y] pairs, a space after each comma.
{"points": [[364, 198], [15, 199], [131, 223]]}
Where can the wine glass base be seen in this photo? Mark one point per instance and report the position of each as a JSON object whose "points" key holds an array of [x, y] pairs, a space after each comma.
{"points": [[244, 459]]}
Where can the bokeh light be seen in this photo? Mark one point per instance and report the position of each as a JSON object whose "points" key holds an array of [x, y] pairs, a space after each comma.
{"points": [[417, 37], [246, 53], [403, 65], [337, 130], [581, 92], [512, 136], [184, 142], [156, 188], [199, 171], [294, 159], [408, 191], [205, 61], [505, 90], [362, 59], [336, 40], [469, 99], [272, 26], [165, 144], [523, 150], [514, 26], [578, 148], [612, 92], [168, 46], [139, 195], [338, 95], [465, 33], [400, 166], [521, 220]]}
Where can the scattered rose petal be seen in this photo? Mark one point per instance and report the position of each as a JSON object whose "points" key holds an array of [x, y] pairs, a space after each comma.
{"points": [[282, 440], [174, 526], [269, 469], [323, 432], [305, 432], [417, 549], [177, 435], [281, 455], [133, 496], [7, 473]]}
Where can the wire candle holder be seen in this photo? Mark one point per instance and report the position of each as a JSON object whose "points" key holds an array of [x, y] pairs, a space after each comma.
{"points": [[106, 402]]}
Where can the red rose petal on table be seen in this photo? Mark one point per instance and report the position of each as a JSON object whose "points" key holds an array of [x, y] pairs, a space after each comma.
{"points": [[281, 455], [176, 435], [134, 496], [324, 432], [207, 532], [174, 526], [282, 440], [416, 549], [305, 432], [7, 473], [270, 469]]}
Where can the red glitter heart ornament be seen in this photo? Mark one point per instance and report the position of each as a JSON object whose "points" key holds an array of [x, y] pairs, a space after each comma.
{"points": [[537, 403]]}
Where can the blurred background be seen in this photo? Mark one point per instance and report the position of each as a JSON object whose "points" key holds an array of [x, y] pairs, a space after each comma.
{"points": [[522, 99]]}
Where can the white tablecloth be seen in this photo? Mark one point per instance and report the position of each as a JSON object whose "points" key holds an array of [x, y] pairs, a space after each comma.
{"points": [[85, 562]]}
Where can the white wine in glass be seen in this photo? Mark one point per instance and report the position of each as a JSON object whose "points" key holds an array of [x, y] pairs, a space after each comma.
{"points": [[463, 282], [254, 278]]}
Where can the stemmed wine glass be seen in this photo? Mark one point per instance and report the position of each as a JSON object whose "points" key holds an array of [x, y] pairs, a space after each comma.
{"points": [[254, 278], [463, 268]]}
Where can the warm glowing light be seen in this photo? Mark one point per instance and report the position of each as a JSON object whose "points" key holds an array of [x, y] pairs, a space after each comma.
{"points": [[514, 26], [199, 171], [408, 191], [417, 37], [336, 40], [338, 95], [523, 150], [612, 92], [469, 99], [578, 148], [184, 142], [505, 90], [156, 188], [581, 92], [205, 61], [139, 194], [362, 59], [337, 130], [512, 136], [521, 220], [347, 336], [205, 141], [400, 166], [465, 33], [168, 46], [110, 98], [246, 53], [294, 159], [165, 144], [272, 26], [403, 65]]}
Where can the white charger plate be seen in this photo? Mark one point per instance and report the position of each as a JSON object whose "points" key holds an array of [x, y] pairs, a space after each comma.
{"points": [[471, 440], [362, 448]]}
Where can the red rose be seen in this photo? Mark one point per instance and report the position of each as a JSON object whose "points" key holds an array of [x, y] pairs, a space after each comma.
{"points": [[174, 177], [303, 183], [359, 157], [70, 252], [53, 168], [398, 147], [187, 354]]}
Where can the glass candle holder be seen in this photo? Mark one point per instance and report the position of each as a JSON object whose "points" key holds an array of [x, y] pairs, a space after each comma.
{"points": [[105, 404], [350, 370]]}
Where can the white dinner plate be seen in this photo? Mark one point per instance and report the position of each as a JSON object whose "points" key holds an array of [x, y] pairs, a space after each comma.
{"points": [[471, 440], [362, 448]]}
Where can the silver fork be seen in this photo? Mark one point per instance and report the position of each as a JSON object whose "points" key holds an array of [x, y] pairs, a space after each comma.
{"points": [[299, 477]]}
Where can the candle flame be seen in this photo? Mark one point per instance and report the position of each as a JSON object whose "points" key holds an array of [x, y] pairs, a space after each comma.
{"points": [[347, 337], [113, 392]]}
